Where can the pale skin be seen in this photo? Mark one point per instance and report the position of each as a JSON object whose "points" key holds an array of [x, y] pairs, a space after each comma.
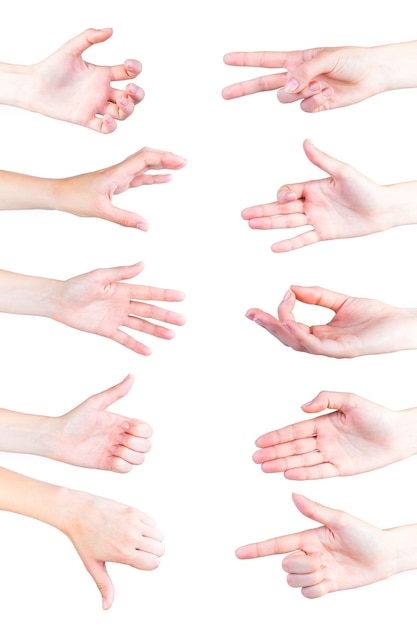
{"points": [[327, 78], [343, 553], [88, 436], [101, 530], [346, 204], [360, 326], [356, 436], [66, 87], [98, 302], [91, 194]]}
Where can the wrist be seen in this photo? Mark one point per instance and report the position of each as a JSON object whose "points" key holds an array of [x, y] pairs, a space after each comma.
{"points": [[402, 548], [406, 432], [399, 204], [28, 295], [26, 434], [14, 87], [395, 65], [407, 329]]}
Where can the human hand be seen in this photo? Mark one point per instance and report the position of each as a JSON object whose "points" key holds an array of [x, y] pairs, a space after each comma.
{"points": [[359, 327], [347, 204], [91, 194], [359, 436], [66, 87], [97, 302], [102, 530], [90, 436], [344, 553], [322, 78]]}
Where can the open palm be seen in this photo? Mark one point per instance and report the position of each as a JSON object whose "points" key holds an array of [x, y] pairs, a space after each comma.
{"points": [[360, 326], [359, 436]]}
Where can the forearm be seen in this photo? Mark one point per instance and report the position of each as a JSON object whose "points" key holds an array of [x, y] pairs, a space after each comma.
{"points": [[14, 84], [20, 192], [399, 203], [26, 434], [42, 501], [28, 295], [396, 65], [402, 548]]}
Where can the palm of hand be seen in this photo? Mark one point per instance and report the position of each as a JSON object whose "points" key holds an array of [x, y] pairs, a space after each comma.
{"points": [[359, 440], [341, 208], [351, 552], [361, 326], [67, 76], [95, 306], [89, 437], [348, 77]]}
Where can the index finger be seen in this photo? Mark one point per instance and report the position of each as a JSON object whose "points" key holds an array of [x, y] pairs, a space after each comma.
{"points": [[256, 59], [151, 159], [279, 545], [145, 292], [255, 85], [320, 297], [300, 430]]}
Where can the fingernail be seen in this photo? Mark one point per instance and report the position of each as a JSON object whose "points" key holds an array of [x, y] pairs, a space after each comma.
{"points": [[123, 101], [314, 87], [290, 195], [287, 295], [131, 64], [142, 226], [291, 85], [133, 89], [327, 92]]}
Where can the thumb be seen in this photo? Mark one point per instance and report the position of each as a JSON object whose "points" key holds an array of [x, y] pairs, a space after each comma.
{"points": [[126, 218], [314, 510], [323, 400], [106, 398], [85, 40], [98, 571], [322, 160], [321, 63], [124, 272]]}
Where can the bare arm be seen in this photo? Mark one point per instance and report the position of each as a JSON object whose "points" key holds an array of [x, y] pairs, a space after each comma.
{"points": [[327, 78], [343, 553], [101, 530], [87, 436], [66, 87], [98, 302], [91, 194]]}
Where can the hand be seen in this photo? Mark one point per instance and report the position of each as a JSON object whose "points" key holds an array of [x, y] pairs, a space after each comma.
{"points": [[345, 205], [105, 531], [90, 436], [322, 78], [66, 87], [344, 553], [97, 302], [359, 436], [360, 326], [91, 195]]}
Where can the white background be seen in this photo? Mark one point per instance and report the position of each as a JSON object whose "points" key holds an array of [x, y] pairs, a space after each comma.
{"points": [[222, 381]]}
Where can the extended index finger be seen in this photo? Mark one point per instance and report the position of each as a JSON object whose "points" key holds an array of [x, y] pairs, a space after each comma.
{"points": [[278, 545], [256, 59], [151, 159], [255, 85]]}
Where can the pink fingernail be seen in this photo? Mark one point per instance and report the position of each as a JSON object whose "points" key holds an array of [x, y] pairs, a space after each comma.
{"points": [[290, 195], [291, 86]]}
